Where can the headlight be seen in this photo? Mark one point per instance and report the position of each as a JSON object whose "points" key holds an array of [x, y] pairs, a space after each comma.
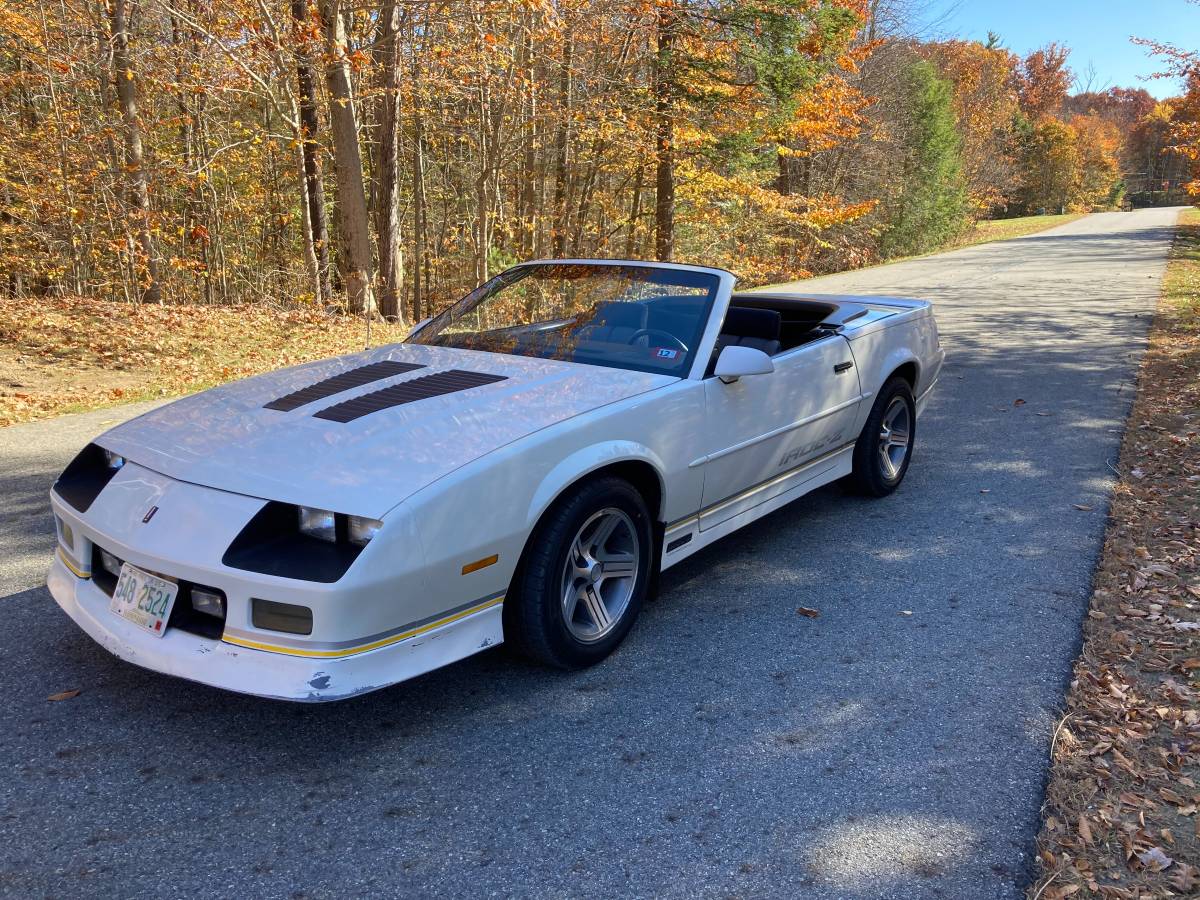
{"points": [[318, 523], [301, 542], [360, 530], [329, 526], [86, 476]]}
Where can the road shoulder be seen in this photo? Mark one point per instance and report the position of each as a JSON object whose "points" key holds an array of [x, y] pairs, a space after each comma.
{"points": [[1121, 814]]}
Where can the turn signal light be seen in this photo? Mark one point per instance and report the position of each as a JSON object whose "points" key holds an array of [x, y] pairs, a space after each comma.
{"points": [[66, 536], [286, 617]]}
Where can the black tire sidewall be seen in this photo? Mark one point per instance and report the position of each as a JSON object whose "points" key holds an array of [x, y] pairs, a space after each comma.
{"points": [[540, 630], [869, 477]]}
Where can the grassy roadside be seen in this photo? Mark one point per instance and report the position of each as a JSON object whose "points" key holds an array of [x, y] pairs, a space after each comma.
{"points": [[1006, 229], [987, 231], [1121, 815], [61, 355]]}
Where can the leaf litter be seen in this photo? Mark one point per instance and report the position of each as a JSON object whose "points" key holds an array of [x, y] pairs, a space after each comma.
{"points": [[1121, 814]]}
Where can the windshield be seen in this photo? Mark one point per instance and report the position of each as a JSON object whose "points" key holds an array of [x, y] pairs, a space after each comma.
{"points": [[629, 317]]}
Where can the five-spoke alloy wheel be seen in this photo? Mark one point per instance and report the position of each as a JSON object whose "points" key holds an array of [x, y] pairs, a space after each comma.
{"points": [[894, 435], [583, 577], [600, 574], [884, 448]]}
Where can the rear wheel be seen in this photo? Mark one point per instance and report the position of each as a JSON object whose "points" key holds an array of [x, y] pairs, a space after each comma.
{"points": [[584, 576], [884, 448]]}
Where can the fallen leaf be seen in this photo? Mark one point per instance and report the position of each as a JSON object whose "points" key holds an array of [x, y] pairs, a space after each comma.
{"points": [[1018, 402], [810, 613], [1085, 830], [1186, 878], [1063, 891], [62, 695], [1155, 859]]}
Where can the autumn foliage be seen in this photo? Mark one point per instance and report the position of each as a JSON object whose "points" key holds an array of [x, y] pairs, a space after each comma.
{"points": [[385, 158]]}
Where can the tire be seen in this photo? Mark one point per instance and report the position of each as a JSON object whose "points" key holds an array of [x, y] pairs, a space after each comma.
{"points": [[880, 462], [555, 577]]}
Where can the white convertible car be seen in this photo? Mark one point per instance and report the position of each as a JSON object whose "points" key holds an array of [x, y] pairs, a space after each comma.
{"points": [[518, 470]]}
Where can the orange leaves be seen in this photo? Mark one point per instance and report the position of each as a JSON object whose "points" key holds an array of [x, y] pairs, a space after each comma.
{"points": [[824, 116], [1045, 80]]}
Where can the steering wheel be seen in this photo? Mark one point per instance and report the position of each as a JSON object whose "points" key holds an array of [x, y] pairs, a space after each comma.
{"points": [[646, 332]]}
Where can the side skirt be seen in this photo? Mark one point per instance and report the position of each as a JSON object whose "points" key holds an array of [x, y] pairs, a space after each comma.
{"points": [[682, 539]]}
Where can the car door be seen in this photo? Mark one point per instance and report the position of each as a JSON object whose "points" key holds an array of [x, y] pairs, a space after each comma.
{"points": [[766, 431]]}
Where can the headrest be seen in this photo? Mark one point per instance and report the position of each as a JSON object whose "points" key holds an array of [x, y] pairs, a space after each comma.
{"points": [[620, 314], [744, 321]]}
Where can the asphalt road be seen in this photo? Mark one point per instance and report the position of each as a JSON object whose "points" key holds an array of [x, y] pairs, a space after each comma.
{"points": [[896, 746]]}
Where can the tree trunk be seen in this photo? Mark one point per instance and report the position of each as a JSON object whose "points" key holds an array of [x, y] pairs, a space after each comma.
{"points": [[420, 218], [526, 201], [562, 153], [354, 251], [664, 151], [60, 133], [314, 178], [135, 173], [387, 200], [635, 213], [310, 254]]}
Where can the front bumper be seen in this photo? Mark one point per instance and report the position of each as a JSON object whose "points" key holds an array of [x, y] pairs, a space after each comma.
{"points": [[384, 621], [262, 673]]}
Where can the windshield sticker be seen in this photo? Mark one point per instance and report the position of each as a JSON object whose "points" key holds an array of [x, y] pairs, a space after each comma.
{"points": [[664, 352]]}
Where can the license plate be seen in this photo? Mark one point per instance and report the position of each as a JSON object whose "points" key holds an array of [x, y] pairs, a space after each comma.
{"points": [[144, 599]]}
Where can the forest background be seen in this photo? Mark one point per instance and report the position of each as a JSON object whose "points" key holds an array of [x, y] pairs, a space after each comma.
{"points": [[385, 158]]}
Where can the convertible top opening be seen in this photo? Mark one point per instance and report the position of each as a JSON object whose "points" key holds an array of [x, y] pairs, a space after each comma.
{"points": [[800, 320]]}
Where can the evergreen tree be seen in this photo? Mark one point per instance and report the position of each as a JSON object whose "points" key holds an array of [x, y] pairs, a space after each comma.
{"points": [[932, 206]]}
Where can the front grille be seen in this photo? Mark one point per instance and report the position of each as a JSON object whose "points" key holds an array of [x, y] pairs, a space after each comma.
{"points": [[183, 616]]}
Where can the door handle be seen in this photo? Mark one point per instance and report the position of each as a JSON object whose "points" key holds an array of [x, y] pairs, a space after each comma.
{"points": [[843, 367]]}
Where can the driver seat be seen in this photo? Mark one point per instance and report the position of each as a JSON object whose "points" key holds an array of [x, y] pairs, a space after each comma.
{"points": [[615, 322], [748, 326]]}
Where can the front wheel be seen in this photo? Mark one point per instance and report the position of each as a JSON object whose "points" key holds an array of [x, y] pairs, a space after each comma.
{"points": [[584, 576], [884, 448]]}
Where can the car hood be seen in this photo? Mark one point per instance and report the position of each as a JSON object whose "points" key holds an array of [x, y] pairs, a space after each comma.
{"points": [[225, 438]]}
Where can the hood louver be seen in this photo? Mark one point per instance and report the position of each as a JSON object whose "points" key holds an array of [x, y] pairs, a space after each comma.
{"points": [[342, 382], [422, 388]]}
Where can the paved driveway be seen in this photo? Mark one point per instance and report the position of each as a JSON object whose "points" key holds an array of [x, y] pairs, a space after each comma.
{"points": [[895, 746]]}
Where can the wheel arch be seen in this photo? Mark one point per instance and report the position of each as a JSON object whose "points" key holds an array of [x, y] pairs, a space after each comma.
{"points": [[910, 371], [632, 462]]}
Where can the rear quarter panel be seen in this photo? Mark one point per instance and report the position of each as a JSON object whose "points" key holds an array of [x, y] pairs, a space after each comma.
{"points": [[884, 345]]}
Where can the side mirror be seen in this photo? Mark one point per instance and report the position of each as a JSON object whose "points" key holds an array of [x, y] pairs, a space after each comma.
{"points": [[420, 325], [735, 361]]}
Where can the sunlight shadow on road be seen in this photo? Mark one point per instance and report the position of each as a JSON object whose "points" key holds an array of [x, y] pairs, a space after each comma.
{"points": [[864, 855]]}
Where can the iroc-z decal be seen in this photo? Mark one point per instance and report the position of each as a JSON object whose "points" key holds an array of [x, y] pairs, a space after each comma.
{"points": [[796, 454]]}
